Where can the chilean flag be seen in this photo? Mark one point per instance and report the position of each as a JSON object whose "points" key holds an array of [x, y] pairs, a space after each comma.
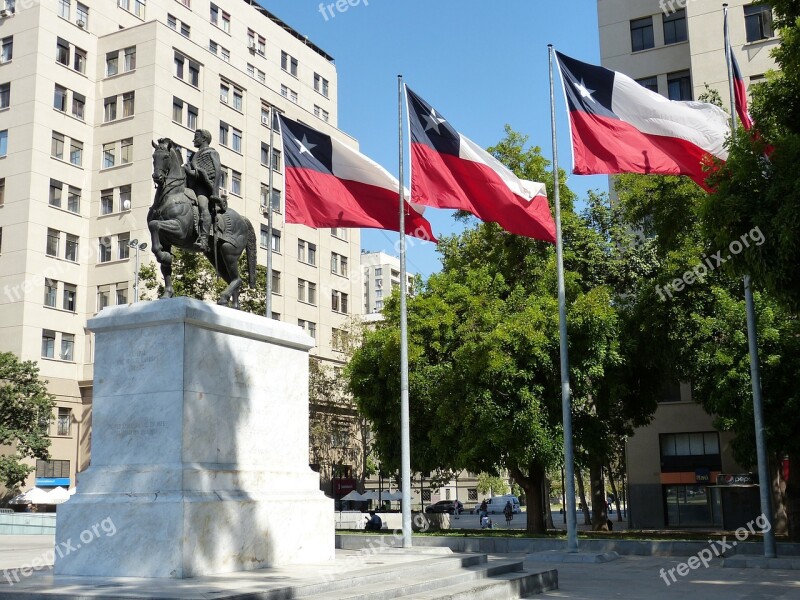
{"points": [[618, 126], [329, 184], [450, 171]]}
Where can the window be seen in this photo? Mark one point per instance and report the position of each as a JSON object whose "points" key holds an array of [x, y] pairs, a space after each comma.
{"points": [[265, 118], [237, 99], [3, 142], [2, 190], [123, 250], [172, 22], [191, 117], [224, 92], [223, 133], [67, 346], [71, 251], [338, 264], [262, 46], [125, 197], [48, 343], [64, 421], [52, 468], [5, 95], [320, 84], [122, 293], [55, 192], [53, 236], [130, 59], [226, 22], [110, 109], [338, 339], [57, 146], [82, 15], [177, 110], [220, 18], [225, 54], [309, 327], [79, 61], [688, 506], [109, 157], [307, 291], [264, 236], [264, 154], [679, 86], [276, 282], [675, 27], [276, 198], [6, 49], [651, 83], [59, 98], [106, 202], [276, 160], [70, 295], [104, 250], [339, 232], [289, 93], [379, 294], [103, 296], [74, 200], [306, 252], [126, 151], [78, 105], [378, 272], [76, 152], [321, 113], [112, 63], [236, 183], [758, 22], [186, 30], [62, 51], [50, 292], [237, 139], [276, 241], [128, 104], [338, 301], [178, 62], [289, 63], [194, 74], [138, 8], [642, 34], [63, 9]]}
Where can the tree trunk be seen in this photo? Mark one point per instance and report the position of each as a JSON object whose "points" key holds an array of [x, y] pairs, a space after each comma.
{"points": [[780, 521], [532, 484], [546, 499], [587, 519], [793, 497], [598, 490], [615, 492]]}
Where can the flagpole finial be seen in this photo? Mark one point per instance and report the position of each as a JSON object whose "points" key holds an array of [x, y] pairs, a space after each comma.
{"points": [[549, 45], [725, 5]]}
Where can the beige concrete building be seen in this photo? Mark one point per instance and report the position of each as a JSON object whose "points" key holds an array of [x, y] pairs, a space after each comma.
{"points": [[676, 47], [84, 88], [381, 276]]}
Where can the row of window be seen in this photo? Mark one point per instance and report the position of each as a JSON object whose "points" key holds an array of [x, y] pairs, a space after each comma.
{"points": [[757, 19], [679, 85], [81, 12], [111, 106]]}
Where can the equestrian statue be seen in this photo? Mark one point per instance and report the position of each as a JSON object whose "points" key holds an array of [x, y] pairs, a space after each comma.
{"points": [[188, 213]]}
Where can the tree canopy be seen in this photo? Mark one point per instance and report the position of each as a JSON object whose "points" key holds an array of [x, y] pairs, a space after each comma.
{"points": [[26, 410]]}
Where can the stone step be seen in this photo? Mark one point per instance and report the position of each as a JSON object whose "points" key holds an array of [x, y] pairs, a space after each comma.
{"points": [[507, 586], [411, 581]]}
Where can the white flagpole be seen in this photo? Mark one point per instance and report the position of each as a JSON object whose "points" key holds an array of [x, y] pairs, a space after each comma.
{"points": [[566, 401], [764, 480], [268, 307], [405, 436]]}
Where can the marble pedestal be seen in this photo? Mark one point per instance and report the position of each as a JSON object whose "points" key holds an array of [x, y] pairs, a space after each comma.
{"points": [[199, 448]]}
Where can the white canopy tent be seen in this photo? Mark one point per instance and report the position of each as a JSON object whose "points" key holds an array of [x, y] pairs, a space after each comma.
{"points": [[354, 496], [58, 495], [33, 496]]}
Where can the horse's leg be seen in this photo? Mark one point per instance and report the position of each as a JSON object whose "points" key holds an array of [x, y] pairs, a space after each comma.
{"points": [[162, 250], [229, 269]]}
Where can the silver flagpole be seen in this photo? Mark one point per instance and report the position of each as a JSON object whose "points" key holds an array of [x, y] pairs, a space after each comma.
{"points": [[405, 436], [268, 309], [764, 480], [566, 403]]}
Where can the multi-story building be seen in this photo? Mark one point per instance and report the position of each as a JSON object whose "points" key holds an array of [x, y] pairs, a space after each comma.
{"points": [[677, 48], [381, 273], [84, 89]]}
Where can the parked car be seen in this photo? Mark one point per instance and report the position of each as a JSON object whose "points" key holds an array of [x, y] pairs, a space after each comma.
{"points": [[495, 506], [443, 506]]}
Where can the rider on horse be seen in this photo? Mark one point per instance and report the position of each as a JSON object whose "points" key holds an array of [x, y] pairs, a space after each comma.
{"points": [[203, 173]]}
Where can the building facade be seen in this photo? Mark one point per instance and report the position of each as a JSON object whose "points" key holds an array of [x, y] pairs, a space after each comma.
{"points": [[84, 89], [676, 48], [381, 276]]}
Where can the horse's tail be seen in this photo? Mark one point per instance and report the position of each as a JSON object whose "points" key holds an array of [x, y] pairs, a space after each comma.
{"points": [[252, 255]]}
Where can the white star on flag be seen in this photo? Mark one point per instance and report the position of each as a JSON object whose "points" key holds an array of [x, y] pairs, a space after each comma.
{"points": [[305, 145], [585, 93], [434, 121]]}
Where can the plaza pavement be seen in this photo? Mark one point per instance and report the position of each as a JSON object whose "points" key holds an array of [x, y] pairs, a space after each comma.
{"points": [[629, 578]]}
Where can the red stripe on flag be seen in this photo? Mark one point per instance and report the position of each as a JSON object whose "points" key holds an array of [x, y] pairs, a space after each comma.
{"points": [[447, 181], [609, 146], [320, 200]]}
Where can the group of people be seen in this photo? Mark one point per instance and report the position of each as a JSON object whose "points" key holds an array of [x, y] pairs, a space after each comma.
{"points": [[486, 522]]}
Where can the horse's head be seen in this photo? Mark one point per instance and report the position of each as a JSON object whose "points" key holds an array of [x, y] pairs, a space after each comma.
{"points": [[162, 159]]}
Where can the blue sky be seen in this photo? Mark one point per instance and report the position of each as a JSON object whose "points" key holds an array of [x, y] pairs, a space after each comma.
{"points": [[480, 66]]}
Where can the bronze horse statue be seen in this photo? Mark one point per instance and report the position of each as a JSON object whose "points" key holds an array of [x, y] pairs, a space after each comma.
{"points": [[173, 222]]}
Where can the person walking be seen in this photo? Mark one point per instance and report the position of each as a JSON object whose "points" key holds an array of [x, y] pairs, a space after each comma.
{"points": [[508, 511]]}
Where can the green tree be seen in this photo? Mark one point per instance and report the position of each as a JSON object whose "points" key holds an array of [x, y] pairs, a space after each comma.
{"points": [[492, 484], [26, 410]]}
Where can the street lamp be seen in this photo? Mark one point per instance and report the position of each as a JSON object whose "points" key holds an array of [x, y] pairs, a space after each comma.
{"points": [[136, 246]]}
